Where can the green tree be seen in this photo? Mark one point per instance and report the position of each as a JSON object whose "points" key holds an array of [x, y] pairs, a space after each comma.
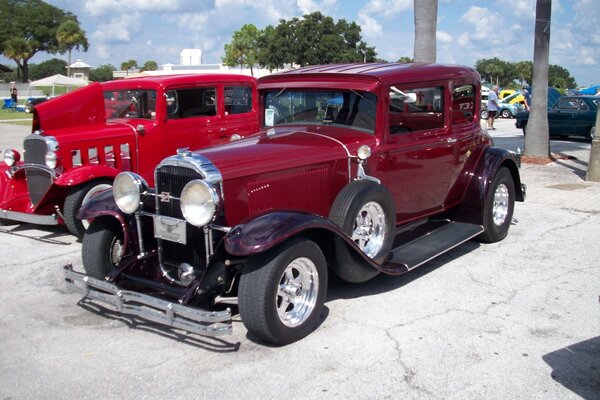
{"points": [[70, 36], [537, 140], [102, 74], [405, 60], [425, 30], [47, 68], [150, 65], [524, 70], [28, 27], [243, 49], [128, 66], [560, 78]]}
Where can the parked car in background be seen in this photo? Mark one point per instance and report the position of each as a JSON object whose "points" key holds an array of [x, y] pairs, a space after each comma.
{"points": [[360, 168], [570, 116], [81, 140], [506, 108]]}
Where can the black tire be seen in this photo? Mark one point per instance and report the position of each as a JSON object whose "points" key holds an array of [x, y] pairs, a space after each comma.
{"points": [[102, 247], [524, 129], [484, 114], [505, 113], [345, 212], [499, 207], [261, 292], [77, 197], [591, 133]]}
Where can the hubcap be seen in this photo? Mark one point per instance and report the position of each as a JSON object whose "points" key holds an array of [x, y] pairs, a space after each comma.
{"points": [[500, 207], [592, 132], [369, 228], [297, 292]]}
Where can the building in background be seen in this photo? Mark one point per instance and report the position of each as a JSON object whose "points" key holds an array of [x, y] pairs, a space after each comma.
{"points": [[80, 70]]}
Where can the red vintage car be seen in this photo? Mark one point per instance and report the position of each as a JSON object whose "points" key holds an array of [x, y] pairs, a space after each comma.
{"points": [[83, 139], [360, 169]]}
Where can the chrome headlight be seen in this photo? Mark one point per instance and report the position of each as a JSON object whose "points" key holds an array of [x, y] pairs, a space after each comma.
{"points": [[364, 152], [52, 146], [199, 201], [11, 157], [127, 190], [51, 159]]}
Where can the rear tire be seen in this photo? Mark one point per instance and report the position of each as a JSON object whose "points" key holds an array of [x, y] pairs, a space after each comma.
{"points": [[591, 134], [76, 198], [102, 247], [499, 207], [506, 113]]}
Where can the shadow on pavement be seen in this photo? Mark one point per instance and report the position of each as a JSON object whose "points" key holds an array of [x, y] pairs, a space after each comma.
{"points": [[577, 367], [53, 234]]}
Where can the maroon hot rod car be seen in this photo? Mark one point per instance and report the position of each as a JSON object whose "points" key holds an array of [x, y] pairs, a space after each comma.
{"points": [[83, 139], [360, 169]]}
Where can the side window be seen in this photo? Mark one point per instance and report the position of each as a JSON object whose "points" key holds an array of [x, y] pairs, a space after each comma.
{"points": [[191, 103], [583, 106], [416, 109], [238, 99], [463, 104], [567, 104]]}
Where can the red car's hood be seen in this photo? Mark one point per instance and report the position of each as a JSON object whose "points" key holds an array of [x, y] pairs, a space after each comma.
{"points": [[83, 106], [285, 148]]}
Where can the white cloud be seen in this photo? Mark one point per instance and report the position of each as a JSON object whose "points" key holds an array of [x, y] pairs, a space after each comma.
{"points": [[106, 7], [443, 37], [387, 8], [117, 30], [309, 6], [369, 26]]}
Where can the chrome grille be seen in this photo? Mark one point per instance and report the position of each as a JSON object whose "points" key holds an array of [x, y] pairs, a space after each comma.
{"points": [[172, 179], [38, 180]]}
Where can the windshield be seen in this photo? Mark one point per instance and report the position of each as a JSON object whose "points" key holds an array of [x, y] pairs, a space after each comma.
{"points": [[130, 104], [351, 109]]}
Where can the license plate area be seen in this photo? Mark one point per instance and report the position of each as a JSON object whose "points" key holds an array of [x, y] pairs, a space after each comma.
{"points": [[171, 229]]}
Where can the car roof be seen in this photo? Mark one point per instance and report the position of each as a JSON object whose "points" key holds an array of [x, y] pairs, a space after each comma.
{"points": [[163, 80], [385, 73]]}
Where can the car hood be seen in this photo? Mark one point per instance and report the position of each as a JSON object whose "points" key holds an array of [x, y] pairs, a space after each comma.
{"points": [[286, 148], [83, 106]]}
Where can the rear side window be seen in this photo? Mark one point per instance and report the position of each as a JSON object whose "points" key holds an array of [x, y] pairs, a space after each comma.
{"points": [[191, 103], [130, 104], [238, 99], [463, 104], [416, 108]]}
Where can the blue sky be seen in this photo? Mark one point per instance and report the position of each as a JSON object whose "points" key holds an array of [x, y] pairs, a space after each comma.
{"points": [[119, 30]]}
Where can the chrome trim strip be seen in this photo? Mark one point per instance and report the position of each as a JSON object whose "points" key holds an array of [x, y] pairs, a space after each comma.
{"points": [[29, 218], [172, 314], [335, 140], [15, 168]]}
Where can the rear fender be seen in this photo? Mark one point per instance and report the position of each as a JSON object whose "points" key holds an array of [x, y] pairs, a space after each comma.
{"points": [[266, 231], [471, 208]]}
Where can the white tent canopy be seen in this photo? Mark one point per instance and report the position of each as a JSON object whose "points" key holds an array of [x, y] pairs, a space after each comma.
{"points": [[58, 80]]}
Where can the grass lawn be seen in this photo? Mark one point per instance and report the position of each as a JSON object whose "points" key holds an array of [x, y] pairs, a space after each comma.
{"points": [[7, 116]]}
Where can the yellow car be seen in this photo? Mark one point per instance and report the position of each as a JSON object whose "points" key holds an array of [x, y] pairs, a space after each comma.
{"points": [[515, 97]]}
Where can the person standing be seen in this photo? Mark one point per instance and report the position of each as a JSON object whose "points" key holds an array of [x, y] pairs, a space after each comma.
{"points": [[527, 96], [492, 107], [13, 94]]}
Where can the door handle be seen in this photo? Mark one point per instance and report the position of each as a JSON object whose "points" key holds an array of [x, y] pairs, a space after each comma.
{"points": [[451, 140]]}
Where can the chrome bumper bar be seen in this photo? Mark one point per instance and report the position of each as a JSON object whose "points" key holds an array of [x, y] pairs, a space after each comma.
{"points": [[29, 218], [207, 323]]}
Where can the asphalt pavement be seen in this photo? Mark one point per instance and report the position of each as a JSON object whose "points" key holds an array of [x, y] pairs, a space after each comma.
{"points": [[518, 319]]}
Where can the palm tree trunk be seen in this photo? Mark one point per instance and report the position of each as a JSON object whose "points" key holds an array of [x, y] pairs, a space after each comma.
{"points": [[425, 30], [537, 140], [69, 63]]}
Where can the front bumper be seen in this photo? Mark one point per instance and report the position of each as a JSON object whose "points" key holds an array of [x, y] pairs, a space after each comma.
{"points": [[188, 318]]}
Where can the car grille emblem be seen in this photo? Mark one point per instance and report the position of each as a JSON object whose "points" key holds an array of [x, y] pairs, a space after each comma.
{"points": [[165, 197]]}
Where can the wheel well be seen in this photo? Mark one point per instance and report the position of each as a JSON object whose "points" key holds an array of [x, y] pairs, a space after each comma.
{"points": [[514, 172]]}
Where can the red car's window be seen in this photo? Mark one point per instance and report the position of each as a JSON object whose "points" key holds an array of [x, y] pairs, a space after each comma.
{"points": [[463, 104], [191, 103], [238, 99], [350, 109], [416, 109], [130, 104]]}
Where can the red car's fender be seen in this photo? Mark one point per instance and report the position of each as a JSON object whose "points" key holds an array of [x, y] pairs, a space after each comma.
{"points": [[268, 230], [76, 176]]}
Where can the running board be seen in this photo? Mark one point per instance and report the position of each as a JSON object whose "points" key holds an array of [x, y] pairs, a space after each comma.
{"points": [[418, 251]]}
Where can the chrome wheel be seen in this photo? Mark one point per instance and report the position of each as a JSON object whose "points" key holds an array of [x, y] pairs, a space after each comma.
{"points": [[297, 292], [116, 251], [369, 228], [501, 204]]}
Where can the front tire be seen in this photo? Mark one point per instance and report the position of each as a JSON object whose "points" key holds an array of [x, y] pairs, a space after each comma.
{"points": [[499, 207], [102, 247], [484, 114], [591, 134], [281, 292], [77, 198], [506, 113]]}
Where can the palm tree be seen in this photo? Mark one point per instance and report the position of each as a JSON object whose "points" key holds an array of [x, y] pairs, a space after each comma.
{"points": [[537, 140], [128, 66], [425, 30], [20, 51], [70, 36]]}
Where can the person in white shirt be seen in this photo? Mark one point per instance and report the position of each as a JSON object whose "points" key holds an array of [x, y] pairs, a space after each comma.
{"points": [[492, 107]]}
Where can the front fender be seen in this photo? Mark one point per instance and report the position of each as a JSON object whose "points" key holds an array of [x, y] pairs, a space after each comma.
{"points": [[76, 176], [102, 203], [266, 231]]}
